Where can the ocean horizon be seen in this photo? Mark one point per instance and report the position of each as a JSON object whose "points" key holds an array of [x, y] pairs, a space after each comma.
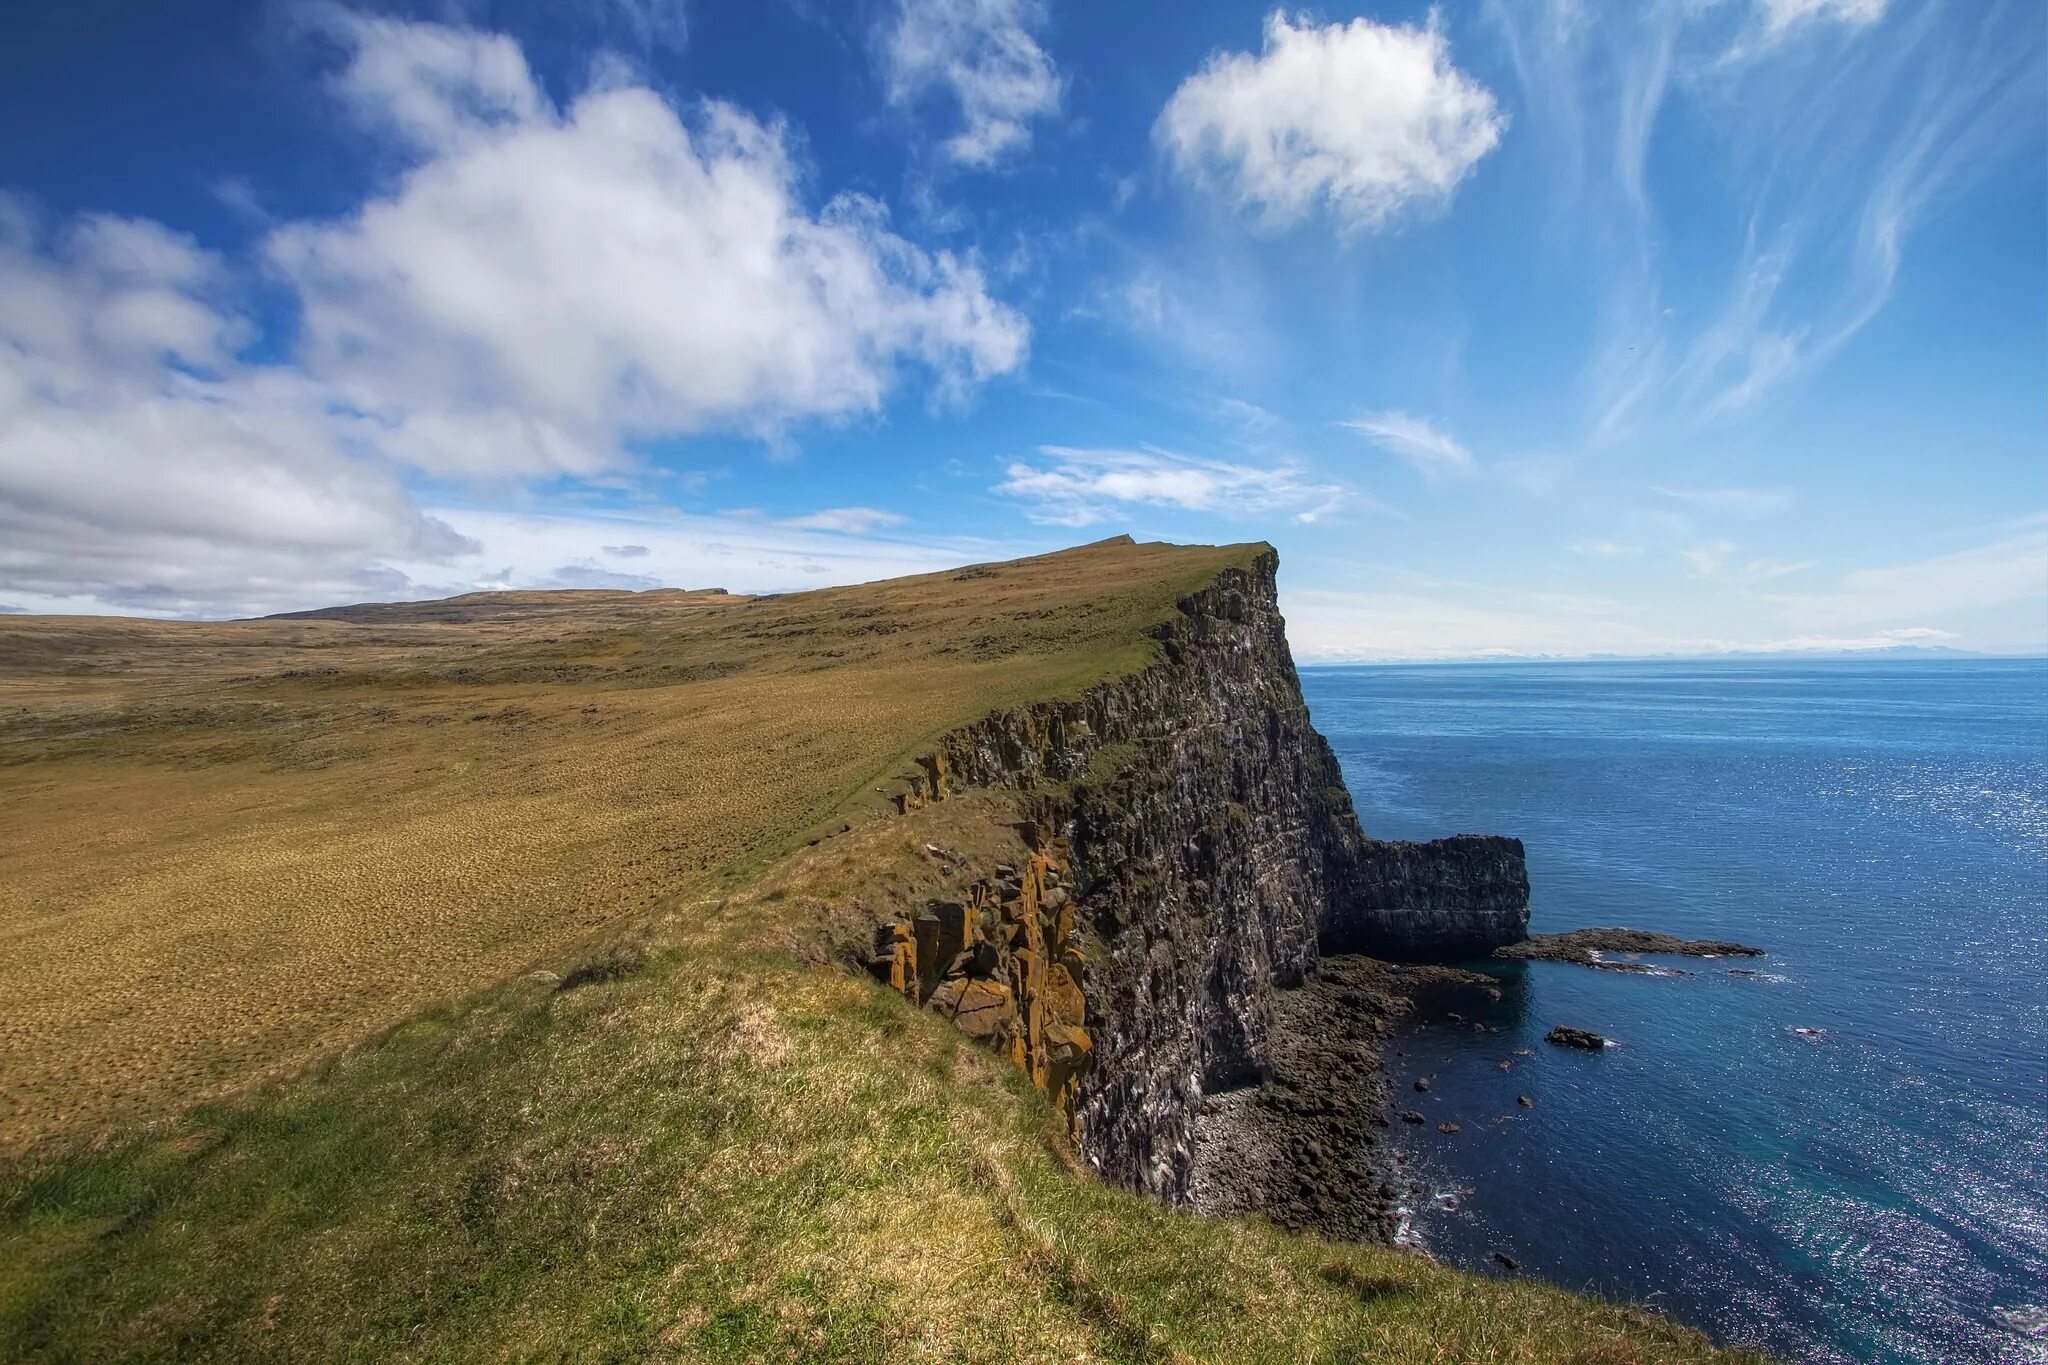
{"points": [[1832, 1153]]}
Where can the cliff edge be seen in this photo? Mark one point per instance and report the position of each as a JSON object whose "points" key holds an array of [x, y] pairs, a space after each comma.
{"points": [[1213, 856]]}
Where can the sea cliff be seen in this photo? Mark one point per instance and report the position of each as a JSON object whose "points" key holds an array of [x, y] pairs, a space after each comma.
{"points": [[1213, 857]]}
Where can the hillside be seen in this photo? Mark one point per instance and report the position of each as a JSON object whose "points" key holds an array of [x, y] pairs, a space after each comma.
{"points": [[478, 981]]}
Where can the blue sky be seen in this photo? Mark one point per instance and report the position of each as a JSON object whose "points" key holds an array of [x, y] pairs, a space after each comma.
{"points": [[1526, 327]]}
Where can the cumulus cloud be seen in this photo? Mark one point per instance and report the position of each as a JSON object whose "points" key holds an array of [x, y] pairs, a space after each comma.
{"points": [[1415, 440], [983, 55], [546, 284], [1076, 487], [541, 288], [626, 551], [140, 463], [1364, 119], [857, 521]]}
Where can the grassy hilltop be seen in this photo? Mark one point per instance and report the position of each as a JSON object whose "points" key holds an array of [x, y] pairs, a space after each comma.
{"points": [[453, 981]]}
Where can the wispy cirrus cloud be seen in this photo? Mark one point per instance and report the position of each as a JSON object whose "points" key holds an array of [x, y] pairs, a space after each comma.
{"points": [[1070, 486], [857, 521], [1360, 119], [1604, 549], [2008, 574], [1416, 440], [1738, 502], [1842, 123]]}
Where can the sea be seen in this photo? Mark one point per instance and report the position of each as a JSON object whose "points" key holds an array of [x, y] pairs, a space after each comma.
{"points": [[1843, 1157]]}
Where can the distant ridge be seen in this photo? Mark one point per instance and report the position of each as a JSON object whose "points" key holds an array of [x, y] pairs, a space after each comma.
{"points": [[477, 606]]}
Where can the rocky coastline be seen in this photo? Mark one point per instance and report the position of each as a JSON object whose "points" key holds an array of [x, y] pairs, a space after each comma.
{"points": [[1196, 1003]]}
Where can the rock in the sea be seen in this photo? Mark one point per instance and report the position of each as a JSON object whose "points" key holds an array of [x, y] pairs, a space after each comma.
{"points": [[1410, 1116], [1422, 1084], [1575, 1037], [1584, 947], [1449, 1128], [1505, 1261], [1525, 1101]]}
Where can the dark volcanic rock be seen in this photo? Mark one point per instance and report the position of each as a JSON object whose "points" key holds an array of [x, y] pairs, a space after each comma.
{"points": [[1583, 946], [1304, 1146], [1216, 858], [1439, 901], [1575, 1037]]}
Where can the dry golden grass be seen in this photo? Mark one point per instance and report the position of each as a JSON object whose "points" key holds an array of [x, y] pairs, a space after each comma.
{"points": [[228, 849]]}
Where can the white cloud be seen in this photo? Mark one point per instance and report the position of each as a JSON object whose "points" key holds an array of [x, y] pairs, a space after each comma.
{"points": [[1778, 16], [1075, 487], [1738, 502], [140, 463], [546, 285], [982, 53], [1838, 153], [1364, 119], [1336, 626], [850, 520], [1415, 440], [731, 550], [541, 288], [1604, 549], [626, 551], [2008, 576], [1708, 557]]}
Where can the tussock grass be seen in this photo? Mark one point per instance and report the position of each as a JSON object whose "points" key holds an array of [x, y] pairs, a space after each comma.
{"points": [[733, 1153]]}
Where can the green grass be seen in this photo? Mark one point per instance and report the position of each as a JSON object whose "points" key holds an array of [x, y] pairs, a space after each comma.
{"points": [[720, 1152]]}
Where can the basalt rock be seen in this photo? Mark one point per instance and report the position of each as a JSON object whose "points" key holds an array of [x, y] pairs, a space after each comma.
{"points": [[1562, 1036], [1584, 947], [1205, 853]]}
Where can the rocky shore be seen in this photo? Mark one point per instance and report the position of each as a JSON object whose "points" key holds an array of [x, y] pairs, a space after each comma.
{"points": [[1308, 1146]]}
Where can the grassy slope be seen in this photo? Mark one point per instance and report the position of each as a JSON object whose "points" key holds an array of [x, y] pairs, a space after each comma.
{"points": [[724, 1155], [733, 1151], [229, 849]]}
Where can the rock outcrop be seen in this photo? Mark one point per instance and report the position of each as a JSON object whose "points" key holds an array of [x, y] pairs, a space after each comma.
{"points": [[1585, 946], [1006, 965], [1213, 855]]}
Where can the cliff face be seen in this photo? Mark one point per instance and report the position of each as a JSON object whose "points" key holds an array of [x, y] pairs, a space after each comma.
{"points": [[1214, 853]]}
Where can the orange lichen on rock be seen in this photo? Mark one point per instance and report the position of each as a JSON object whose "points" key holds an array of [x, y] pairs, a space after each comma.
{"points": [[1006, 964]]}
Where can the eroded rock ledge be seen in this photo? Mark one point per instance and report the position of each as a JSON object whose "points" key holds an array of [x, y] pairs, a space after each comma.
{"points": [[1203, 833]]}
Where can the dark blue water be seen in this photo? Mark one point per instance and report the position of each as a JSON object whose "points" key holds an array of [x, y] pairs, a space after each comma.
{"points": [[1878, 1192]]}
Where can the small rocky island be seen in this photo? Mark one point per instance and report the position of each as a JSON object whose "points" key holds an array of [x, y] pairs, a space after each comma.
{"points": [[1585, 946]]}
